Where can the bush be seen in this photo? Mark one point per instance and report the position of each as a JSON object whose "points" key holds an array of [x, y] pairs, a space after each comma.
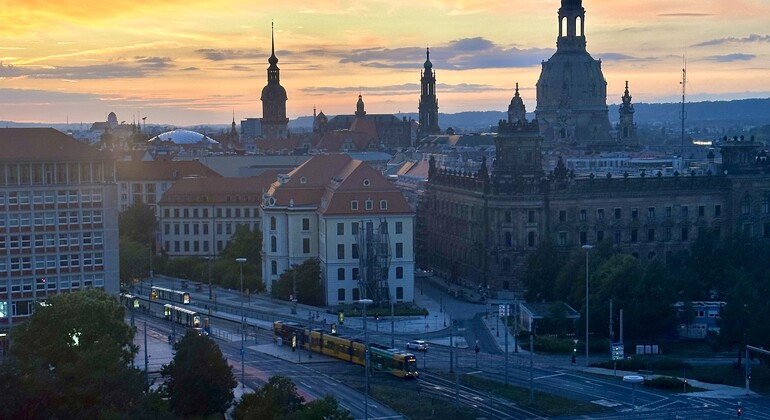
{"points": [[548, 344]]}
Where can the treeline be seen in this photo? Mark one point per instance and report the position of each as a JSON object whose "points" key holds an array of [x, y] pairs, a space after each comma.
{"points": [[734, 270]]}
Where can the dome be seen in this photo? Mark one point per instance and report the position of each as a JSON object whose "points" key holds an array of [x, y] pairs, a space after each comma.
{"points": [[273, 92], [184, 137]]}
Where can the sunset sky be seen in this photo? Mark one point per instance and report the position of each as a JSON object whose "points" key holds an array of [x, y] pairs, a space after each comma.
{"points": [[187, 62]]}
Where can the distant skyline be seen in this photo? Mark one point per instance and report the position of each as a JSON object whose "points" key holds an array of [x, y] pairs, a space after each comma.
{"points": [[187, 62]]}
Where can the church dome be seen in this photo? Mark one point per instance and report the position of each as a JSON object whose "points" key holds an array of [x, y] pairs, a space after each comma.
{"points": [[183, 137], [273, 92]]}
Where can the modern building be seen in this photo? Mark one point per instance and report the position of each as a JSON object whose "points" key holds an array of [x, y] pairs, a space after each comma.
{"points": [[347, 215], [275, 125], [571, 91], [147, 181], [428, 107], [198, 216], [478, 228], [58, 219]]}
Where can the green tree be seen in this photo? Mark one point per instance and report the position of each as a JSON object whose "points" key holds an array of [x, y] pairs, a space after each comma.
{"points": [[327, 408], [244, 243], [199, 381], [308, 279], [73, 356], [277, 399], [134, 260], [543, 267], [137, 223]]}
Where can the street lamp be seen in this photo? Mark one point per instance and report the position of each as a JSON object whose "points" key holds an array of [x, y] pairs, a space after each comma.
{"points": [[208, 260], [587, 248], [240, 262], [364, 303]]}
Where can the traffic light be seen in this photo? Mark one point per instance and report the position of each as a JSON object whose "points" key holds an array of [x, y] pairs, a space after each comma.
{"points": [[377, 318], [739, 411]]}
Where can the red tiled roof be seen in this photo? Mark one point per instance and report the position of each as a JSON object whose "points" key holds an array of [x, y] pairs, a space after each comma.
{"points": [[332, 181], [219, 190], [44, 144], [163, 170]]}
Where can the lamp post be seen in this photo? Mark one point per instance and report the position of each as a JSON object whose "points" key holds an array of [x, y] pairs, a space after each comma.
{"points": [[208, 259], [587, 248], [364, 303], [240, 262], [294, 289]]}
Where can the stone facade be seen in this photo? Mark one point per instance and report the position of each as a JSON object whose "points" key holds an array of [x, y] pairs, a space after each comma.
{"points": [[478, 228]]}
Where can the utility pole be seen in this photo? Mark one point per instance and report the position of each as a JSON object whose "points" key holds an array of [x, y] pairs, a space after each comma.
{"points": [[451, 350], [457, 374], [506, 312], [392, 325], [146, 357], [531, 366]]}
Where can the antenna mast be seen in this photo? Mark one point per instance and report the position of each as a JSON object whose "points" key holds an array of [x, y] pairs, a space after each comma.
{"points": [[683, 114]]}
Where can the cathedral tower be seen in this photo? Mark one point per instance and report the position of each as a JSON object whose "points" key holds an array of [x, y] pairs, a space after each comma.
{"points": [[572, 91], [428, 108], [626, 126], [275, 125]]}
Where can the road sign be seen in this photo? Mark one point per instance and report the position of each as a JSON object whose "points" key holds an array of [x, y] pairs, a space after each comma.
{"points": [[505, 310], [617, 351]]}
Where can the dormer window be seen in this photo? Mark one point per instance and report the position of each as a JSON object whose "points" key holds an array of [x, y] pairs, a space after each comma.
{"points": [[367, 182], [369, 204], [353, 204], [383, 204], [303, 180]]}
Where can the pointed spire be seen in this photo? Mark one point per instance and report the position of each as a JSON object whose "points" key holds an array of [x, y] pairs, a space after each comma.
{"points": [[517, 90], [273, 60], [428, 65]]}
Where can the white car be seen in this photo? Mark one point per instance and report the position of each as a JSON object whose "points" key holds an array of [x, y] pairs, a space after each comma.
{"points": [[417, 345]]}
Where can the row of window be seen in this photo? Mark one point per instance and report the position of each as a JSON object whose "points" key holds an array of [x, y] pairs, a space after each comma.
{"points": [[51, 240], [653, 235], [52, 262], [227, 212], [617, 213], [369, 227], [50, 218], [193, 246], [354, 251], [25, 198], [15, 174], [46, 285], [354, 273], [356, 294], [368, 205]]}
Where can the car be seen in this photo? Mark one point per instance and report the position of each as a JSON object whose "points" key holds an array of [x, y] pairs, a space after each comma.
{"points": [[421, 273], [417, 345]]}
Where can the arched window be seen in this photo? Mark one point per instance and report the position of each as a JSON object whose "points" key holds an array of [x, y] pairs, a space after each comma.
{"points": [[579, 26], [563, 27], [273, 244], [273, 267], [272, 223]]}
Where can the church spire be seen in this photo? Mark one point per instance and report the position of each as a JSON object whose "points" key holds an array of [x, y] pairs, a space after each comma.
{"points": [[274, 121], [428, 106], [572, 18], [360, 112]]}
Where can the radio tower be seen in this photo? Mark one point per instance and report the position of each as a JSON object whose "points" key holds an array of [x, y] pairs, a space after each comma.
{"points": [[683, 114]]}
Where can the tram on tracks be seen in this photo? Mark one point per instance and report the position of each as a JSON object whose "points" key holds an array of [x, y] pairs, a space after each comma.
{"points": [[176, 296], [382, 358]]}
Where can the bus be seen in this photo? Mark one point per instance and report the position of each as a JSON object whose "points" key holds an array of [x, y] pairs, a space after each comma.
{"points": [[383, 358]]}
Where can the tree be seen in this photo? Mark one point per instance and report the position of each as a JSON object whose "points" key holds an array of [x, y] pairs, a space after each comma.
{"points": [[327, 408], [199, 381], [308, 279], [137, 223], [134, 260], [73, 356], [543, 267], [244, 243], [278, 399]]}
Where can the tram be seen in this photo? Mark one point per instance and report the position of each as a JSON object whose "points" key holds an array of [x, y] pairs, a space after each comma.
{"points": [[383, 358], [176, 296], [181, 315]]}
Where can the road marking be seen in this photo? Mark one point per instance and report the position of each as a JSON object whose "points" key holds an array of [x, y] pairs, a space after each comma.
{"points": [[548, 376]]}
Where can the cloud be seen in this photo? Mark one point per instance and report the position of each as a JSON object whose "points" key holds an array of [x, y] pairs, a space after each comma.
{"points": [[734, 40], [17, 97], [460, 54], [193, 68], [684, 14], [406, 88], [223, 55], [617, 57], [136, 67], [731, 57]]}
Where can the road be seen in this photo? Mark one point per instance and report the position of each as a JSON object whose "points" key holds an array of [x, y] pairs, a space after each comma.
{"points": [[550, 374]]}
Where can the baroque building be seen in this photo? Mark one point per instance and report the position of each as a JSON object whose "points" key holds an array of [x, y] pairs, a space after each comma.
{"points": [[428, 107], [571, 91], [275, 125], [383, 131], [626, 126], [477, 228]]}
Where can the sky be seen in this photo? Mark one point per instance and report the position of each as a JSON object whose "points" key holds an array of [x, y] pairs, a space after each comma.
{"points": [[189, 62]]}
